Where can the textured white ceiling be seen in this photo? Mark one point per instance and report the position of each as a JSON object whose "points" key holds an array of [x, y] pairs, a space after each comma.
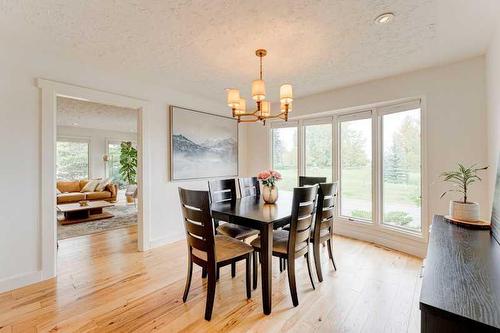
{"points": [[77, 113], [202, 47]]}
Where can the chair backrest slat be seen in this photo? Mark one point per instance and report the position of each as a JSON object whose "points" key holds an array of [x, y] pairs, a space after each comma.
{"points": [[327, 195], [304, 200], [304, 180], [198, 221], [249, 187], [222, 190]]}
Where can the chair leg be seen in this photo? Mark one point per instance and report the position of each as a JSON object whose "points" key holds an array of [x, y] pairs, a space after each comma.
{"points": [[233, 269], [309, 269], [255, 270], [248, 277], [330, 253], [281, 265], [203, 273], [317, 261], [291, 280], [210, 292], [188, 279]]}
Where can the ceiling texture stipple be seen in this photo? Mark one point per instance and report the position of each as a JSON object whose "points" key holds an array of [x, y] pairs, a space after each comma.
{"points": [[77, 113], [201, 47]]}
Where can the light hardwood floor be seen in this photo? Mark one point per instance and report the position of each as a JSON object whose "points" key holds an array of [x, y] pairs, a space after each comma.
{"points": [[104, 285]]}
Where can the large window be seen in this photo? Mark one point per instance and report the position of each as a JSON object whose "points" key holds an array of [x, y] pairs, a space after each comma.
{"points": [[72, 160], [356, 167], [374, 155], [318, 150], [401, 201], [284, 155]]}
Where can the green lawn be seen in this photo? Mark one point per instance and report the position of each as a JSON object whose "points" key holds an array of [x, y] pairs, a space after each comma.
{"points": [[357, 185]]}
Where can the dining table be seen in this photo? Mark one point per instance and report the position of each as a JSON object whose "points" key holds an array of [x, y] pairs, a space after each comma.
{"points": [[254, 213]]}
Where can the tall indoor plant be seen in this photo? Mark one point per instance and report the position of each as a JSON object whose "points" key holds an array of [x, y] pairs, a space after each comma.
{"points": [[461, 179], [128, 163]]}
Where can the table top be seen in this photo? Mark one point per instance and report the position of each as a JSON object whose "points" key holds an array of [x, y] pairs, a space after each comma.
{"points": [[462, 273], [73, 207], [254, 208]]}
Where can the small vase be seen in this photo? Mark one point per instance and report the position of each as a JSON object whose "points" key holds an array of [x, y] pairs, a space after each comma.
{"points": [[270, 194]]}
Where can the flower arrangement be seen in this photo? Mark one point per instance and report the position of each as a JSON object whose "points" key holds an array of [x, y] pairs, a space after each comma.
{"points": [[269, 177]]}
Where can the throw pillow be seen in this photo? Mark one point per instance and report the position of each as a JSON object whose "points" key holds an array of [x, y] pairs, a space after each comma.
{"points": [[90, 186], [102, 185]]}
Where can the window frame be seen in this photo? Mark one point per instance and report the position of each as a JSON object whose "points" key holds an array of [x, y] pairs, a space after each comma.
{"points": [[376, 228], [302, 127], [381, 112], [78, 139], [288, 124], [361, 115]]}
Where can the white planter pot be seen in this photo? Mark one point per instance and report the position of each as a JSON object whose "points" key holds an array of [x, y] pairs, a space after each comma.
{"points": [[464, 211]]}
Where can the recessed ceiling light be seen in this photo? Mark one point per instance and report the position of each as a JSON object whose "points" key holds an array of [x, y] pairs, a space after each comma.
{"points": [[75, 124], [384, 18]]}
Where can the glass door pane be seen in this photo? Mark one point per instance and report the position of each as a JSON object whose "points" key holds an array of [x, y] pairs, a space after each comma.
{"points": [[318, 151], [284, 156], [401, 188], [356, 169], [114, 164], [72, 160]]}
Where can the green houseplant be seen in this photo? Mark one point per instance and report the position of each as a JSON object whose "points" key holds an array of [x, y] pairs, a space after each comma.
{"points": [[461, 179], [128, 163]]}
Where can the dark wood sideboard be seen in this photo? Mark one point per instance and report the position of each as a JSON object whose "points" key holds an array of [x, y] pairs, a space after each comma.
{"points": [[461, 280]]}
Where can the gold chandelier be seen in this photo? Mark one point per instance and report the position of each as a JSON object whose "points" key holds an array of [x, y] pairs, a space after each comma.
{"points": [[263, 111]]}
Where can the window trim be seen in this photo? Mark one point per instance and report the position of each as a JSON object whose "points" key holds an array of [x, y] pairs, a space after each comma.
{"points": [[78, 139]]}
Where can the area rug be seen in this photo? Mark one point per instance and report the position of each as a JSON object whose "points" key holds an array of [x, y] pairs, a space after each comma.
{"points": [[124, 216]]}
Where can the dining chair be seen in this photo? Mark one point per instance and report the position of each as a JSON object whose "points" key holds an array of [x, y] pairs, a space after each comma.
{"points": [[323, 224], [304, 180], [223, 190], [206, 249], [293, 244], [249, 187]]}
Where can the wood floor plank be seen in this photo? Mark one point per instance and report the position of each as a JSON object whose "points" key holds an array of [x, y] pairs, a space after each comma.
{"points": [[105, 285]]}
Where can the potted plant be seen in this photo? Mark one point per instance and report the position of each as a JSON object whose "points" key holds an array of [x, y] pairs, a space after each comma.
{"points": [[461, 179], [269, 188], [128, 165]]}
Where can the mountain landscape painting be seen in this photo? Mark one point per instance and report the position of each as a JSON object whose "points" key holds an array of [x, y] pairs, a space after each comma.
{"points": [[202, 145]]}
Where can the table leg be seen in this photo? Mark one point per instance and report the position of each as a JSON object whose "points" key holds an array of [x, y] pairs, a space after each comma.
{"points": [[266, 237]]}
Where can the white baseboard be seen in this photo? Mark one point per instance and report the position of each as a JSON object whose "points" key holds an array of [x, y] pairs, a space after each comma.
{"points": [[20, 280], [160, 241], [413, 247]]}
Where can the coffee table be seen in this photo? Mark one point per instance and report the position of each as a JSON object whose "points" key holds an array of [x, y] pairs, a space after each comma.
{"points": [[74, 213]]}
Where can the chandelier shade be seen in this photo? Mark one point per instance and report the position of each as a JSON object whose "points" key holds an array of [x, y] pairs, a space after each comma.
{"points": [[258, 90], [263, 111], [233, 98]]}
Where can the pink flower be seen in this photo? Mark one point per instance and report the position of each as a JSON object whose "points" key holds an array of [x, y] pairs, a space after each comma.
{"points": [[276, 174], [264, 175]]}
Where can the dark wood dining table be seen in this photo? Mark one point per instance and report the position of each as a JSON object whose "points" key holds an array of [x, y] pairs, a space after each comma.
{"points": [[254, 213]]}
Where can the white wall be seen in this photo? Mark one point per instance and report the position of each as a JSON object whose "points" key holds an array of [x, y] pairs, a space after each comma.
{"points": [[493, 93], [98, 141], [20, 151], [455, 111]]}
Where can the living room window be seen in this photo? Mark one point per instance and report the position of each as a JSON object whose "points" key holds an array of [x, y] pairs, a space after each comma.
{"points": [[72, 158]]}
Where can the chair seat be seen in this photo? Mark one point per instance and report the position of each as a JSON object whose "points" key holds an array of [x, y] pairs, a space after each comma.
{"points": [[324, 234], [236, 231], [280, 242], [225, 248]]}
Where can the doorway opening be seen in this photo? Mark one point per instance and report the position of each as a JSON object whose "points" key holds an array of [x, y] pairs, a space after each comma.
{"points": [[103, 173]]}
